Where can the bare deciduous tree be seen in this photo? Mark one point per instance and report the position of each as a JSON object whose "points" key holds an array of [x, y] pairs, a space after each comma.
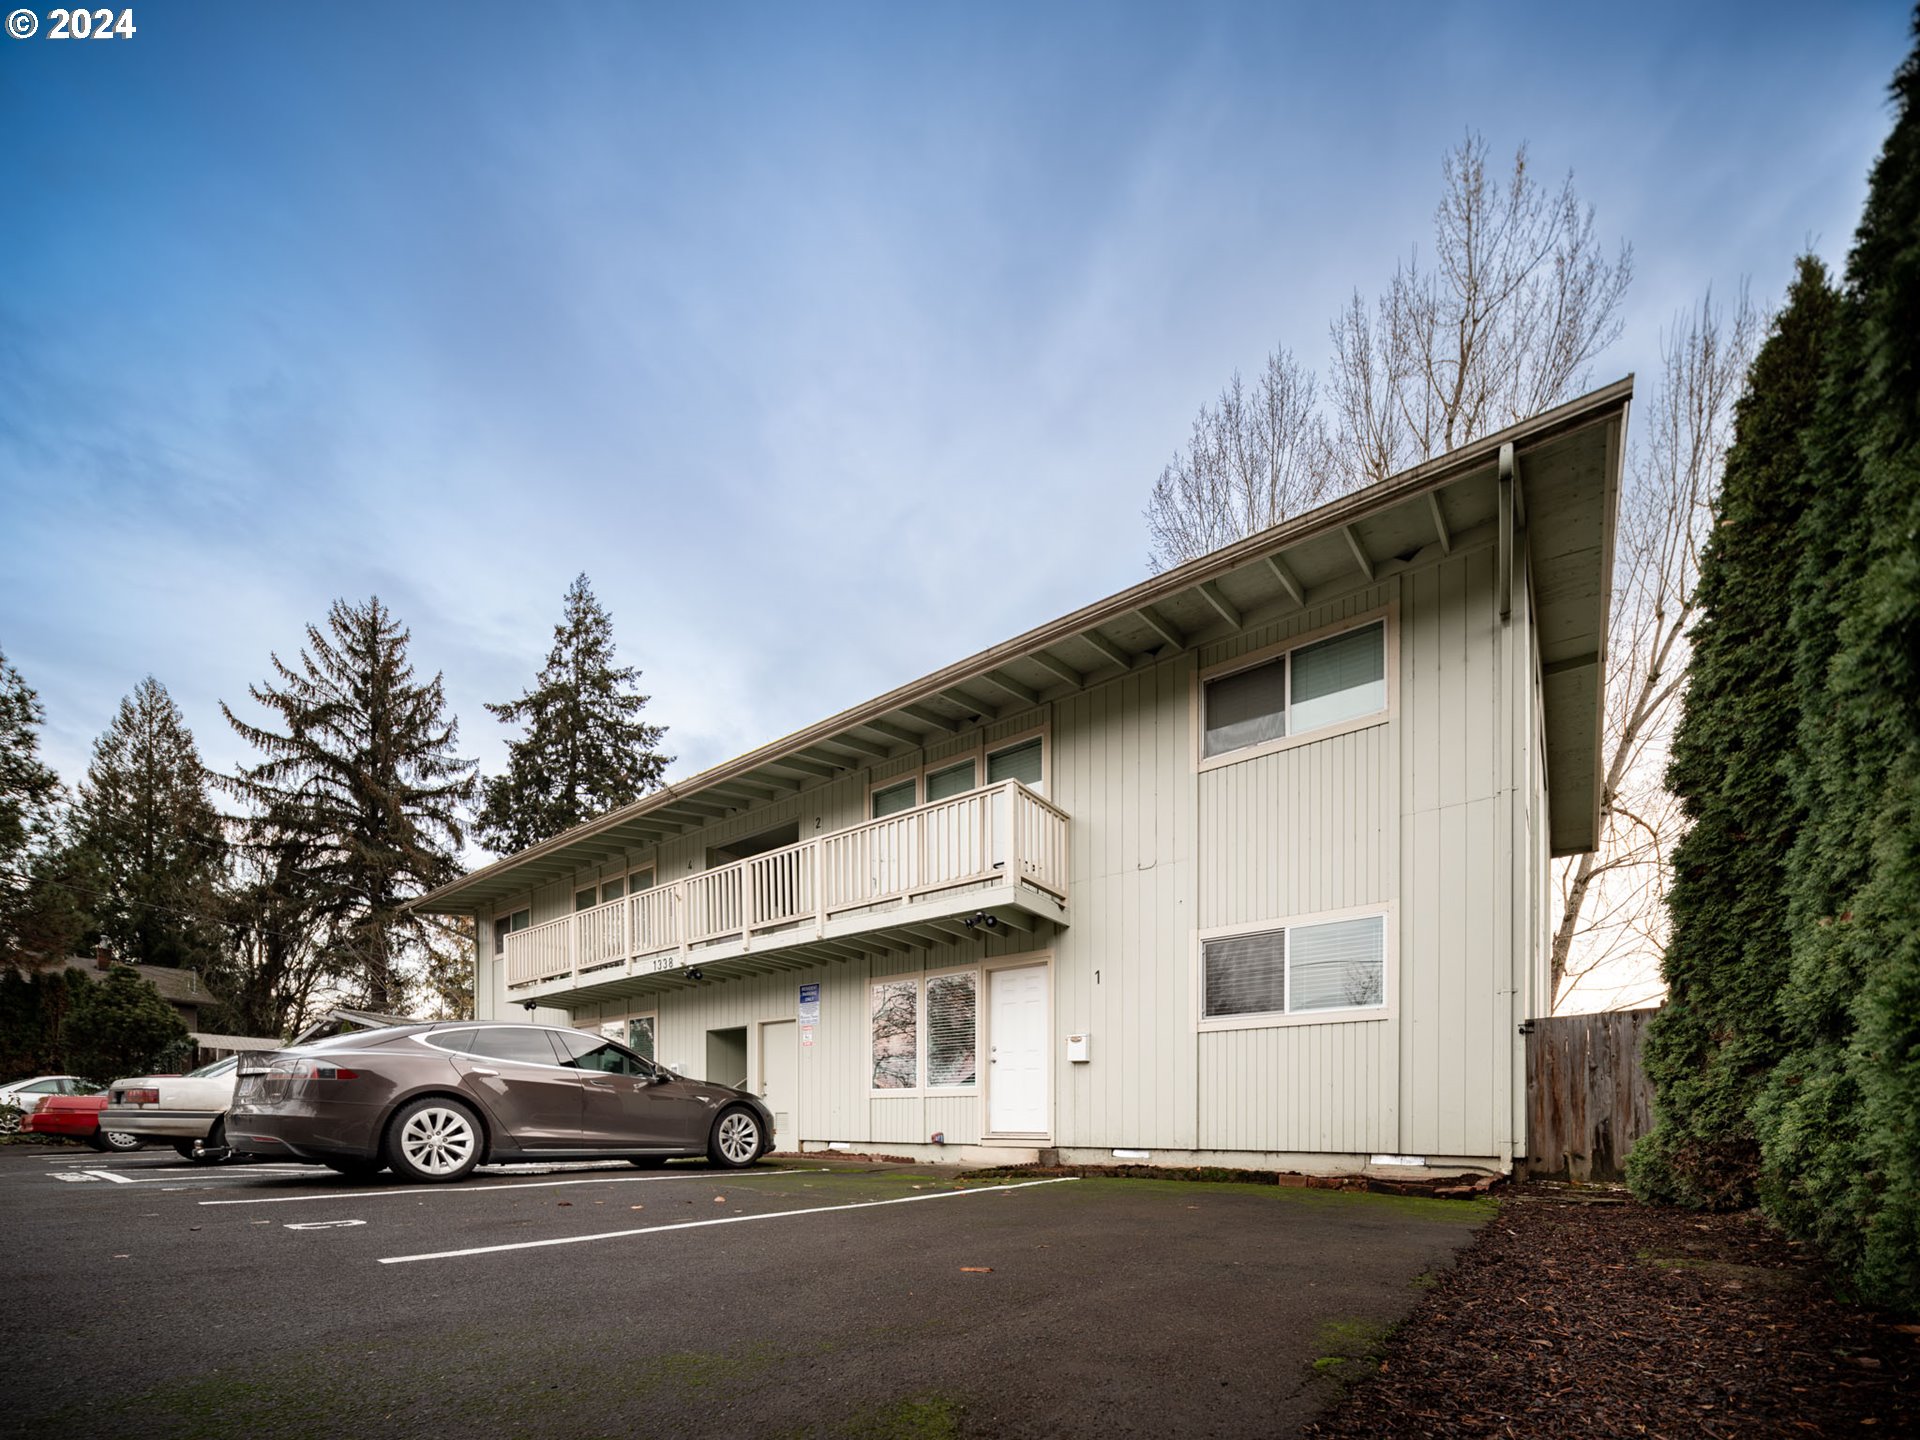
{"points": [[1519, 299], [1257, 457], [1612, 901]]}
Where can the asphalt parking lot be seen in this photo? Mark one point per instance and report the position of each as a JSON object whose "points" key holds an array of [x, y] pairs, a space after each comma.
{"points": [[148, 1296]]}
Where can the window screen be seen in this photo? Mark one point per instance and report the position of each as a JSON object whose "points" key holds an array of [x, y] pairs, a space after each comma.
{"points": [[1247, 708], [1340, 679], [1246, 974], [582, 900], [896, 1034], [1020, 762], [612, 890], [952, 1008], [893, 799], [638, 881], [1339, 966], [954, 780]]}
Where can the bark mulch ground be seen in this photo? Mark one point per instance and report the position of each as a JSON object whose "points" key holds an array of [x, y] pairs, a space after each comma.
{"points": [[1581, 1313]]}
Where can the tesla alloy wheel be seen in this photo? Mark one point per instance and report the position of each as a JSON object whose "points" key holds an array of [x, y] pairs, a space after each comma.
{"points": [[433, 1139], [736, 1140]]}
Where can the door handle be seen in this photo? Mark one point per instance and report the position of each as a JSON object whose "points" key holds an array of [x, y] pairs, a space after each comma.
{"points": [[600, 1085], [480, 1070]]}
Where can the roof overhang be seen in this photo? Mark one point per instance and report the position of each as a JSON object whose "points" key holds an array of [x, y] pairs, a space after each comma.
{"points": [[1566, 492]]}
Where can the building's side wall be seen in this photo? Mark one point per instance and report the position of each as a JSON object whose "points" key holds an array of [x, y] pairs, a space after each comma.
{"points": [[1434, 814]]}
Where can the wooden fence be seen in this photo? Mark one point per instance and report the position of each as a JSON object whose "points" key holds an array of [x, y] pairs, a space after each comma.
{"points": [[1588, 1098]]}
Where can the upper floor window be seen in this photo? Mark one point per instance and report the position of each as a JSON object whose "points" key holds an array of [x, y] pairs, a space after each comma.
{"points": [[892, 799], [505, 925], [1311, 687], [1022, 762]]}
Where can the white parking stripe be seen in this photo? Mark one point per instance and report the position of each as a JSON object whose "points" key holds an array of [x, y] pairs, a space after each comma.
{"points": [[197, 1175], [710, 1176], [726, 1220]]}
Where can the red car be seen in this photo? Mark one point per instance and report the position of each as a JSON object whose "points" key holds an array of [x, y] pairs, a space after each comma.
{"points": [[77, 1117]]}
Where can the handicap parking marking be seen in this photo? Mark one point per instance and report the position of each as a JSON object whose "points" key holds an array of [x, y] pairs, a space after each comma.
{"points": [[709, 1176], [725, 1220]]}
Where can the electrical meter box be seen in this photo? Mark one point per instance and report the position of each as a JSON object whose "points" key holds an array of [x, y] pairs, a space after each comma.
{"points": [[1078, 1047]]}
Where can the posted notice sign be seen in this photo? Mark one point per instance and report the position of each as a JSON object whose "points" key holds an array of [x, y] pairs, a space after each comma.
{"points": [[809, 1005]]}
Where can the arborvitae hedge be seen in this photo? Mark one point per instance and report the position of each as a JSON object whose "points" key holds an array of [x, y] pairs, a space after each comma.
{"points": [[1712, 1046], [1839, 1122]]}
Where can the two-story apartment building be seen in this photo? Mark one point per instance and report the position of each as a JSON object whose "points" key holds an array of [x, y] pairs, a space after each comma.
{"points": [[1245, 865]]}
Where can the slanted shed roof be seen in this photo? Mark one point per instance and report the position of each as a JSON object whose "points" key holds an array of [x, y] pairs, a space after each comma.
{"points": [[1564, 485]]}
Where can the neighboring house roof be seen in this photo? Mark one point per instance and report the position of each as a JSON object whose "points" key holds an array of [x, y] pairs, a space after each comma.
{"points": [[181, 987], [176, 986], [1560, 473]]}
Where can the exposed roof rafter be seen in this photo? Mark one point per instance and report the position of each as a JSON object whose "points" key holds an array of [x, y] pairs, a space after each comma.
{"points": [[1359, 551]]}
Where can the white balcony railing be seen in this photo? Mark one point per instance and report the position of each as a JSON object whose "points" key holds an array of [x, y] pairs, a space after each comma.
{"points": [[1004, 832]]}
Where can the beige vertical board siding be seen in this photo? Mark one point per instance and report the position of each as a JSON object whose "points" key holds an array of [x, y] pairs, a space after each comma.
{"points": [[1454, 1046], [1303, 1088], [1122, 770], [1301, 831]]}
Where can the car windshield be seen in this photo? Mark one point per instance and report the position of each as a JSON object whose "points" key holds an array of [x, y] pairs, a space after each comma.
{"points": [[218, 1067]]}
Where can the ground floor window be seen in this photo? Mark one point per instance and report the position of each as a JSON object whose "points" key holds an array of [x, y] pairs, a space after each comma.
{"points": [[1299, 969], [925, 1032]]}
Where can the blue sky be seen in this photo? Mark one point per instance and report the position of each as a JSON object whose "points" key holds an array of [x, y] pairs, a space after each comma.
{"points": [[832, 342]]}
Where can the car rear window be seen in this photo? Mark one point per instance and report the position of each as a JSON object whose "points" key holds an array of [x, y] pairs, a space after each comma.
{"points": [[461, 1040], [513, 1042], [218, 1067]]}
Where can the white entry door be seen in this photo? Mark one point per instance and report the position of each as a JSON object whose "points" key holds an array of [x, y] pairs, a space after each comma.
{"points": [[780, 1079], [1018, 1083]]}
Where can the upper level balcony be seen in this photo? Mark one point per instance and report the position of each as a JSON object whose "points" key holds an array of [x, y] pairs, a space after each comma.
{"points": [[992, 857]]}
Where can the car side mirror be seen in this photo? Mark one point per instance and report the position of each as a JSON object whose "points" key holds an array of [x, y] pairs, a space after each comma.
{"points": [[661, 1077]]}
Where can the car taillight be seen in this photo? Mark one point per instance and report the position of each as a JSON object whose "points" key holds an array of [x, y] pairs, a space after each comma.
{"points": [[309, 1070], [139, 1097]]}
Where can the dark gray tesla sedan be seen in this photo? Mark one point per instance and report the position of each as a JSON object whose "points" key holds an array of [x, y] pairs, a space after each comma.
{"points": [[433, 1101]]}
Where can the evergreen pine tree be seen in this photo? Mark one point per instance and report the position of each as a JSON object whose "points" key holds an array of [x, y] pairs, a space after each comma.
{"points": [[155, 840], [40, 891], [363, 787], [1840, 1122], [585, 751], [1713, 1044]]}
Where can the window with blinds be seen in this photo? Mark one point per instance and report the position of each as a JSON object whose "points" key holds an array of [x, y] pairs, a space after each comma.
{"points": [[953, 1004], [1340, 679], [1020, 762], [1329, 682], [1248, 708], [1246, 974], [954, 780], [926, 1033], [892, 799], [1297, 970]]}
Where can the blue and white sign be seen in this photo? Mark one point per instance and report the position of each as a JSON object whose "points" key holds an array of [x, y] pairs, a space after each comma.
{"points": [[809, 1005]]}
